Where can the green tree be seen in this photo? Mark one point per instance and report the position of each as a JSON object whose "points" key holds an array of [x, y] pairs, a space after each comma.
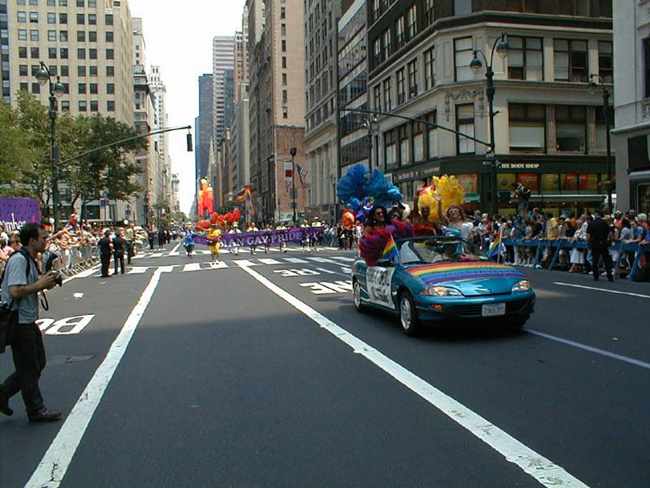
{"points": [[16, 154], [109, 170]]}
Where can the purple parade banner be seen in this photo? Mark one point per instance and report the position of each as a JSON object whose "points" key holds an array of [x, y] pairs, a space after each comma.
{"points": [[16, 212], [248, 239]]}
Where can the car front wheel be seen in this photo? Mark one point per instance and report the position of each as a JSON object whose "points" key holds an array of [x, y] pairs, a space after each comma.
{"points": [[357, 296], [408, 315]]}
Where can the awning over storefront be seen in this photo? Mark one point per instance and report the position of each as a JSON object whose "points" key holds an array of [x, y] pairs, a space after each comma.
{"points": [[639, 175]]}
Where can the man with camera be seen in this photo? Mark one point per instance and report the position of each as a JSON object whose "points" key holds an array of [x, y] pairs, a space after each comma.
{"points": [[20, 286]]}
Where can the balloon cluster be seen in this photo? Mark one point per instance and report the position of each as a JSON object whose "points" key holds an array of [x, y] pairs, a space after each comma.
{"points": [[205, 198], [222, 220]]}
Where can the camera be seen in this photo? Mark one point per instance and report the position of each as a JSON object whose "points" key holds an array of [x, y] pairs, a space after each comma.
{"points": [[58, 278]]}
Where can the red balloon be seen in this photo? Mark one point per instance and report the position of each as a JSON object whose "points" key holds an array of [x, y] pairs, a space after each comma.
{"points": [[347, 219]]}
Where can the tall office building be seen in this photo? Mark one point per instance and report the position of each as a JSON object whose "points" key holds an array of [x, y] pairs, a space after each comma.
{"points": [[204, 128], [277, 108], [160, 141], [240, 134], [632, 93], [89, 45], [321, 135], [549, 131], [222, 60]]}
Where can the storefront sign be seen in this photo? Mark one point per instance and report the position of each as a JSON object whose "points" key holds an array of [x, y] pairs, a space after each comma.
{"points": [[519, 165], [417, 174]]}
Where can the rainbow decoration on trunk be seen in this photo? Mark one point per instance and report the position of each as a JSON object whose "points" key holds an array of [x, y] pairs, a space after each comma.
{"points": [[440, 273]]}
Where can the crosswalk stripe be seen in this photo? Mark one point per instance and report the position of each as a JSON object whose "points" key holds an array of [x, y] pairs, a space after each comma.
{"points": [[218, 265], [244, 263], [321, 260], [192, 267], [344, 258], [328, 271], [269, 261], [138, 270], [157, 255], [295, 260]]}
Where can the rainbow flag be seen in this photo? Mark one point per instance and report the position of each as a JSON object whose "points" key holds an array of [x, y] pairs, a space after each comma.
{"points": [[390, 250], [496, 246]]}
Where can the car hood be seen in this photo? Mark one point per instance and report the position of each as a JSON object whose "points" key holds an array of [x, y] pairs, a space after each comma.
{"points": [[471, 278]]}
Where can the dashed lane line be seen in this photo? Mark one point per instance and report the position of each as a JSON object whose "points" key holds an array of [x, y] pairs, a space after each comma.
{"points": [[616, 292], [537, 466]]}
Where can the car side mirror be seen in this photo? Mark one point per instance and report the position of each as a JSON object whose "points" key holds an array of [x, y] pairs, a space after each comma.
{"points": [[385, 263]]}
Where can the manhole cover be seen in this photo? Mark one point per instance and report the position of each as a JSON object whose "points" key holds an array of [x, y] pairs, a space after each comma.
{"points": [[79, 359]]}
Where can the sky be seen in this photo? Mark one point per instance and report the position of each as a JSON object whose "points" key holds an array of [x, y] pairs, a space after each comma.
{"points": [[178, 38]]}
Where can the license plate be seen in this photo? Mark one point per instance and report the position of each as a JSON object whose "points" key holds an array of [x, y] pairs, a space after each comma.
{"points": [[494, 310]]}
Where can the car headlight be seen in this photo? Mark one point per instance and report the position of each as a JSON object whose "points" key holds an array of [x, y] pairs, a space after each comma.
{"points": [[442, 291], [523, 285]]}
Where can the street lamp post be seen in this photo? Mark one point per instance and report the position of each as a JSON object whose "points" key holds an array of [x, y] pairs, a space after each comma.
{"points": [[56, 91], [501, 47], [370, 123], [293, 152], [594, 80]]}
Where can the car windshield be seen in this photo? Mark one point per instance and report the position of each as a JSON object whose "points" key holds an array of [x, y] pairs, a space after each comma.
{"points": [[429, 250]]}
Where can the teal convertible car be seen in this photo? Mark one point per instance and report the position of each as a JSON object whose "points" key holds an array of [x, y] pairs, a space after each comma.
{"points": [[443, 280]]}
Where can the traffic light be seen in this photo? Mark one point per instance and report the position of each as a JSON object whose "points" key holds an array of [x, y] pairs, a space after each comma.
{"points": [[189, 142]]}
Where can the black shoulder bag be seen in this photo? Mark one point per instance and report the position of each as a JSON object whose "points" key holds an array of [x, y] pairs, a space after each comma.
{"points": [[9, 315]]}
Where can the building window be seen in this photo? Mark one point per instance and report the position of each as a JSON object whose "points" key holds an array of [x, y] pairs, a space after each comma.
{"points": [[432, 136], [429, 69], [92, 70], [413, 78], [571, 128], [22, 34], [462, 7], [22, 17], [93, 89], [527, 127], [63, 36], [283, 13], [284, 46], [465, 125], [81, 71], [579, 8], [36, 88], [429, 12], [376, 98], [33, 17], [51, 36], [110, 88], [390, 149], [94, 106], [404, 150], [81, 89], [418, 143], [51, 53], [63, 53], [388, 102], [34, 53], [63, 18], [92, 19], [284, 79], [109, 19], [525, 58], [283, 29], [284, 61], [81, 53], [92, 36], [80, 3], [606, 61], [51, 18], [33, 35], [400, 28], [23, 70], [22, 52], [376, 51], [83, 106], [81, 19], [284, 96], [463, 54], [92, 53], [81, 36], [110, 70], [412, 22], [386, 41], [110, 54], [285, 112], [110, 105], [570, 60], [65, 70], [401, 91]]}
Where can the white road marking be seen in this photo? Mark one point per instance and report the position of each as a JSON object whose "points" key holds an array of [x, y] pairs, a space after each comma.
{"points": [[192, 267], [269, 261], [616, 292], [57, 459], [344, 258], [244, 263], [218, 265], [78, 295], [174, 252], [585, 347], [295, 260], [328, 271], [138, 270], [321, 260], [157, 255], [541, 469], [83, 274], [346, 270]]}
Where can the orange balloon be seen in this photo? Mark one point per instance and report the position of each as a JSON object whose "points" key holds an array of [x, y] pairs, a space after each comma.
{"points": [[347, 219]]}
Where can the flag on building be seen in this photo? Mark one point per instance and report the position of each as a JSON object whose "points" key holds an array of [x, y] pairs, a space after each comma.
{"points": [[288, 173], [302, 174]]}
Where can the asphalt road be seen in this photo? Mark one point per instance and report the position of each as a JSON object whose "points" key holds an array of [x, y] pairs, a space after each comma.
{"points": [[259, 372]]}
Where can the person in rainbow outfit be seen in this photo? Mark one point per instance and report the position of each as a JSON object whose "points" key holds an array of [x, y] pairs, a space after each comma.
{"points": [[214, 235]]}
